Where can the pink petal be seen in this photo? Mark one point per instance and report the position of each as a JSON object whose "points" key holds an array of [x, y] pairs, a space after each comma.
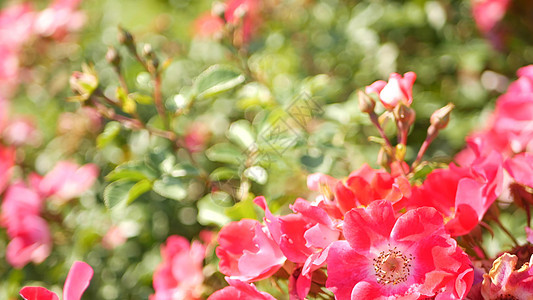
{"points": [[529, 234], [375, 87], [370, 227], [346, 267], [417, 224], [239, 290], [37, 293], [520, 167], [78, 279]]}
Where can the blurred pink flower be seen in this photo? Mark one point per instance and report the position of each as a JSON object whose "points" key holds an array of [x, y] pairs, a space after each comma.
{"points": [[520, 167], [488, 13], [238, 290], [7, 161], [510, 127], [197, 136], [68, 180], [389, 257], [504, 282], [16, 25], [16, 28], [30, 239], [398, 90], [78, 280], [529, 235], [247, 251], [209, 26], [304, 238], [462, 194], [22, 131], [113, 238], [179, 276], [245, 13], [60, 18]]}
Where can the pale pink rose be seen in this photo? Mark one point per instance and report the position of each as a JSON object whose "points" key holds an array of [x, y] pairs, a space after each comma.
{"points": [[78, 280]]}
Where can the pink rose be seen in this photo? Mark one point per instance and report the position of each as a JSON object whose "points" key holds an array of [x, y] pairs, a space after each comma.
{"points": [[389, 257], [247, 252], [179, 276], [398, 90]]}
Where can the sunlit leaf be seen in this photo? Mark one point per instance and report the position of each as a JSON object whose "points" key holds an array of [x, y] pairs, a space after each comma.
{"points": [[215, 80]]}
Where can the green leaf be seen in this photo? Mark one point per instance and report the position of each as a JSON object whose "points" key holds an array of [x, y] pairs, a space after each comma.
{"points": [[128, 104], [124, 191], [257, 174], [225, 153], [170, 187], [209, 212], [133, 170], [111, 130], [138, 189], [242, 210], [162, 160], [241, 132], [215, 80], [140, 98], [223, 173]]}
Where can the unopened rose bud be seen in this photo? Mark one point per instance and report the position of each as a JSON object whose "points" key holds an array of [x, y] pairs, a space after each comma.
{"points": [[405, 115], [126, 39], [151, 59], [441, 117], [147, 51], [113, 57], [366, 103], [84, 83]]}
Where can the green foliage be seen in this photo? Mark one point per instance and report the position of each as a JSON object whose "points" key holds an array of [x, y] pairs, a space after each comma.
{"points": [[262, 116]]}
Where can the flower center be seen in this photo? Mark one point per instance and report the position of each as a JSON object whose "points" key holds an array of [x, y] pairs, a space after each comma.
{"points": [[392, 266]]}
